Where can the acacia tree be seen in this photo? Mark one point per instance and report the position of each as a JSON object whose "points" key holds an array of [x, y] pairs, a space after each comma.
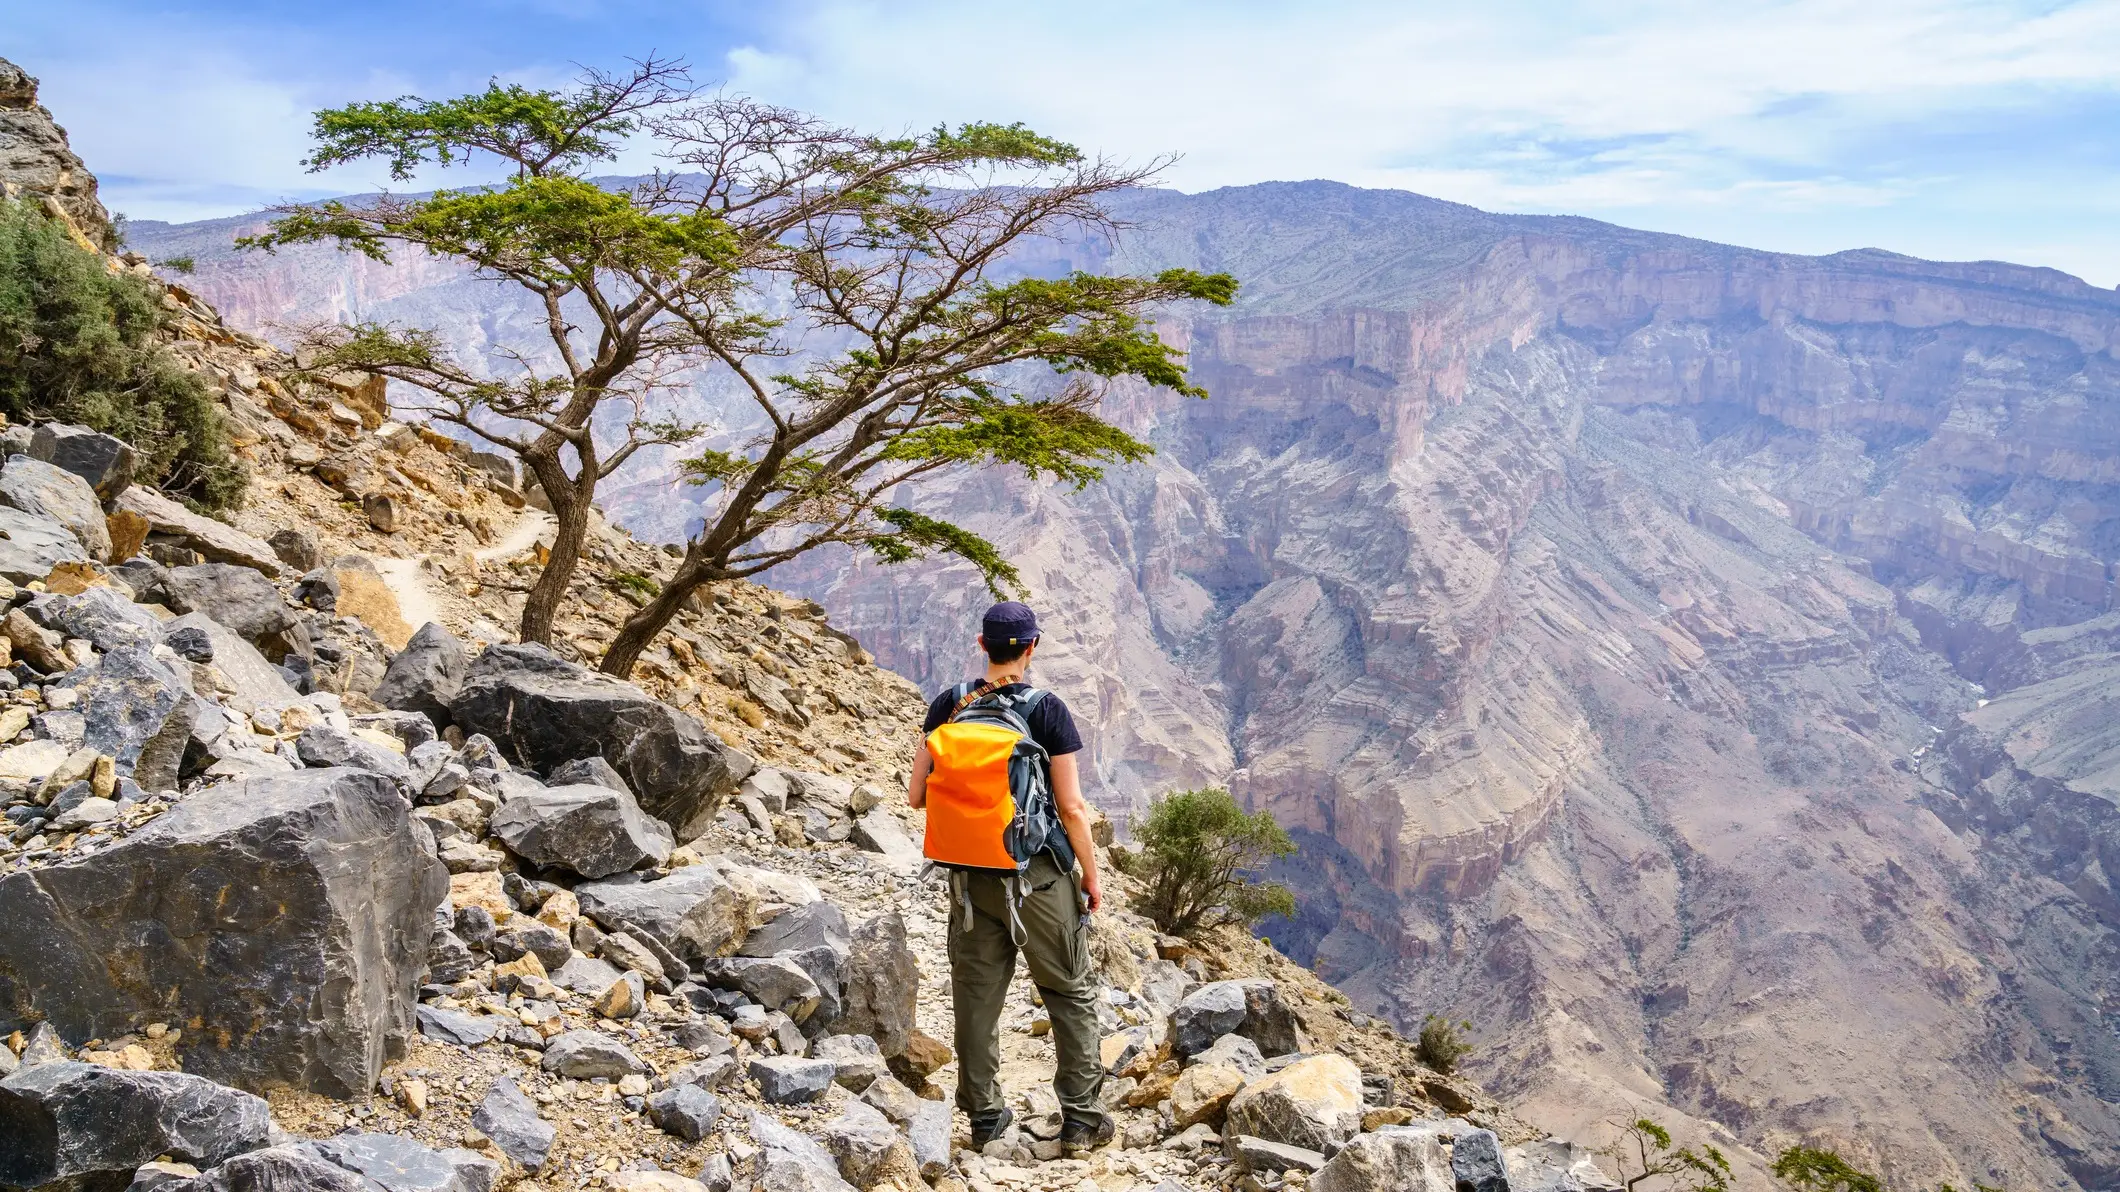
{"points": [[611, 270], [1645, 1153], [895, 253]]}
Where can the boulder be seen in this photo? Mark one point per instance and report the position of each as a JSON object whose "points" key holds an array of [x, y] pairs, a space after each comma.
{"points": [[1237, 1052], [1268, 1020], [856, 1062], [585, 975], [1206, 1014], [591, 830], [869, 1149], [237, 597], [297, 546], [100, 614], [324, 744], [1551, 1165], [32, 544], [929, 1131], [585, 1055], [257, 682], [137, 710], [63, 1120], [33, 486], [769, 787], [284, 920], [104, 462], [881, 984], [775, 982], [1261, 1157], [1313, 1103], [695, 912], [1202, 1093], [293, 1167], [458, 1027], [1390, 1160], [819, 924], [215, 541], [399, 1164], [1476, 1162], [791, 1080], [426, 675], [687, 1111], [510, 1119], [549, 712], [791, 1161], [878, 831], [592, 770]]}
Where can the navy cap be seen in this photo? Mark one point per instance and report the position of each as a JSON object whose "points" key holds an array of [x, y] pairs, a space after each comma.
{"points": [[1009, 623]]}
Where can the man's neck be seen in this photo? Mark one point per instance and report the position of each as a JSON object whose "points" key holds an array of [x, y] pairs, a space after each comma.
{"points": [[998, 675]]}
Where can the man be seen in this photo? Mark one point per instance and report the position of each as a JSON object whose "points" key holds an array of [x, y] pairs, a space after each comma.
{"points": [[1051, 921]]}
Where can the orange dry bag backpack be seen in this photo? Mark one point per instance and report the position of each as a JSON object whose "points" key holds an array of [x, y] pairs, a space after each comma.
{"points": [[990, 794]]}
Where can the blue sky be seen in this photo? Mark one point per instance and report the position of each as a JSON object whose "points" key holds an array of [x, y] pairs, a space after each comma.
{"points": [[1945, 130]]}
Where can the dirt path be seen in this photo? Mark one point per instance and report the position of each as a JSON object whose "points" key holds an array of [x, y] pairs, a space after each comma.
{"points": [[407, 579]]}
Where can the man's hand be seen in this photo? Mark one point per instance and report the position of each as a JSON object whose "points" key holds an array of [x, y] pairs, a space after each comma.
{"points": [[1093, 889]]}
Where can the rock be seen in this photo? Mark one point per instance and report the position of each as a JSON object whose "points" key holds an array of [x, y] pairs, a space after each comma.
{"points": [[881, 986], [297, 547], [792, 1161], [627, 951], [622, 999], [237, 597], [819, 924], [36, 487], [426, 675], [458, 1027], [549, 712], [158, 1174], [290, 1168], [878, 831], [43, 1046], [592, 770], [1391, 1160], [775, 982], [695, 912], [651, 1181], [63, 1120], [585, 1055], [769, 787], [869, 1149], [828, 793], [1476, 1162], [399, 1164], [591, 830], [889, 1096], [787, 1080], [128, 533], [1260, 1157], [103, 462], [1234, 1051], [1202, 1092], [688, 1111], [923, 1056], [510, 1119], [929, 1132], [282, 919], [585, 975], [1551, 1165], [1313, 1103], [257, 682], [32, 544], [321, 744], [1206, 1014], [33, 644], [381, 510], [214, 540], [1454, 1095], [88, 811], [856, 1062]]}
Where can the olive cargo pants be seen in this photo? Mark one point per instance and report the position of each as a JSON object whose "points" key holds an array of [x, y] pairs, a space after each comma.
{"points": [[983, 963]]}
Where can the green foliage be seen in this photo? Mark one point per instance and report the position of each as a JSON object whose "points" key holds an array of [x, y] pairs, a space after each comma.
{"points": [[1645, 1153], [1442, 1043], [1194, 849], [77, 344], [1818, 1169], [184, 265], [916, 535], [637, 584]]}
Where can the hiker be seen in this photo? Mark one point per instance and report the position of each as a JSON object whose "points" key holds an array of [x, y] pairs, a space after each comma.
{"points": [[1006, 818]]}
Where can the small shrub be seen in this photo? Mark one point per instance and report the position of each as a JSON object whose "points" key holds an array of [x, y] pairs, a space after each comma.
{"points": [[636, 585], [1442, 1043], [1645, 1153], [747, 711], [77, 344], [1194, 849], [184, 265], [1818, 1169]]}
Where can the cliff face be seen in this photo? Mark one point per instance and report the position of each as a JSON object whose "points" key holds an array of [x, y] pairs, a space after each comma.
{"points": [[1609, 614], [36, 162]]}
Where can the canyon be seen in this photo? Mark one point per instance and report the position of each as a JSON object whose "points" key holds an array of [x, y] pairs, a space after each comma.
{"points": [[1694, 666]]}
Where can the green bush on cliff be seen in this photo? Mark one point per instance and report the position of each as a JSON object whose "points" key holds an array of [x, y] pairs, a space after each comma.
{"points": [[1442, 1043], [1194, 849], [77, 344]]}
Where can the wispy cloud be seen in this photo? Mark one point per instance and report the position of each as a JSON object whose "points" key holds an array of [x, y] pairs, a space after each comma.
{"points": [[1962, 129]]}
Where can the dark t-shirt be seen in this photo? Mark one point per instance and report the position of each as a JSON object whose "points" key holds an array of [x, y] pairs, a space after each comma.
{"points": [[1052, 725]]}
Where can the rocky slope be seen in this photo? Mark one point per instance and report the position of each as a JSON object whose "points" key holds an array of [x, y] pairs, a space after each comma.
{"points": [[1611, 614], [295, 896]]}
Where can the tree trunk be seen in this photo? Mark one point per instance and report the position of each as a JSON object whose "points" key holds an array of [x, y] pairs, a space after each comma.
{"points": [[571, 511], [642, 627]]}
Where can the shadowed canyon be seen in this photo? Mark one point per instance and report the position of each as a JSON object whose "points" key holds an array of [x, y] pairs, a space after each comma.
{"points": [[1695, 666]]}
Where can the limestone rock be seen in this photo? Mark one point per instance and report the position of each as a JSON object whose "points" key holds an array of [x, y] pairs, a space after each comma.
{"points": [[591, 830], [38, 488], [1262, 1157], [64, 1120], [856, 1061], [216, 541], [291, 1167], [104, 462], [284, 919], [399, 1164], [1202, 1093], [584, 1055], [101, 615], [775, 982], [510, 1119], [694, 912], [869, 1149], [426, 675], [1206, 1014], [548, 712], [881, 985], [32, 544], [458, 1027], [1476, 1162], [687, 1111], [1390, 1160], [236, 596], [788, 1080], [1313, 1103]]}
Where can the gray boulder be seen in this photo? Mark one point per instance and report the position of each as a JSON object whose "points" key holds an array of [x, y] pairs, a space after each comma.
{"points": [[32, 544], [104, 462], [1234, 1052], [881, 984], [258, 683], [1261, 1157], [775, 982], [290, 1168], [63, 1121], [687, 1111], [592, 830], [788, 1080], [548, 712], [217, 541], [1476, 1162], [695, 912], [139, 710], [585, 1055], [585, 975], [458, 1027], [237, 597], [594, 771], [1312, 1103], [34, 486], [869, 1149], [857, 1063], [321, 744], [283, 919], [1390, 1160], [878, 831], [103, 616], [426, 675], [819, 924], [1206, 1014], [399, 1164], [297, 546], [791, 1161], [510, 1119]]}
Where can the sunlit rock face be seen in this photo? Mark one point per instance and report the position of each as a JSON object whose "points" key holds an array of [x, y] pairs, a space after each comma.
{"points": [[1609, 615]]}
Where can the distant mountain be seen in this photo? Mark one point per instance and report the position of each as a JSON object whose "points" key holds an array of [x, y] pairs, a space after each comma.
{"points": [[1697, 666]]}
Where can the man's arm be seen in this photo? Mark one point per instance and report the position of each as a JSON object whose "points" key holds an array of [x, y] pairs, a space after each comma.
{"points": [[1074, 813], [916, 790]]}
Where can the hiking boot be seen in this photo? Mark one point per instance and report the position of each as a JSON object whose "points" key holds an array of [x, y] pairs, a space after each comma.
{"points": [[1079, 1138], [986, 1127]]}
